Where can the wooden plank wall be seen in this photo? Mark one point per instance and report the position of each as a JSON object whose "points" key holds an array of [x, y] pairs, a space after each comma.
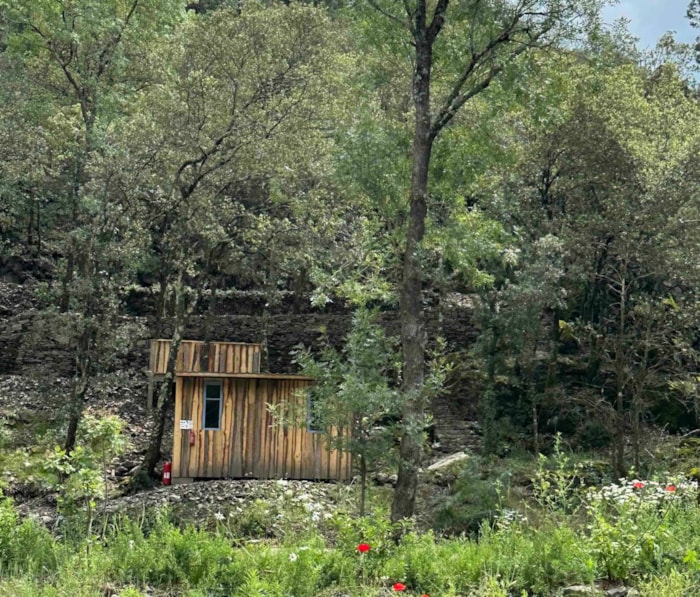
{"points": [[252, 442], [224, 357]]}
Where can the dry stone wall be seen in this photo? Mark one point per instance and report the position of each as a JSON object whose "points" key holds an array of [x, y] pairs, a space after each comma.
{"points": [[34, 340], [33, 343]]}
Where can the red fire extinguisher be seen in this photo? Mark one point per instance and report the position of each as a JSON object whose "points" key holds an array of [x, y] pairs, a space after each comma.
{"points": [[191, 437], [167, 473]]}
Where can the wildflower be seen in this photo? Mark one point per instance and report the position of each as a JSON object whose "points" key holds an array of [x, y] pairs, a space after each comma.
{"points": [[363, 547], [219, 516], [671, 488], [293, 557], [131, 544], [638, 485], [399, 586]]}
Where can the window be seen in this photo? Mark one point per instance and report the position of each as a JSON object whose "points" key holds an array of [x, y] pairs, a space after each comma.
{"points": [[212, 405], [313, 415]]}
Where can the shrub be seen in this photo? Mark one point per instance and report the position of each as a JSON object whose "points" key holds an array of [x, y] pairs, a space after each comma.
{"points": [[25, 547], [633, 524]]}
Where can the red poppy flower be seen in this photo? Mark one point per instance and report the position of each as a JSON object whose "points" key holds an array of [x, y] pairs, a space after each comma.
{"points": [[363, 547], [425, 595], [638, 485], [399, 586], [670, 488]]}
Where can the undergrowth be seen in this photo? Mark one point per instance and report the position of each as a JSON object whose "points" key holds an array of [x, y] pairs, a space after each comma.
{"points": [[637, 532]]}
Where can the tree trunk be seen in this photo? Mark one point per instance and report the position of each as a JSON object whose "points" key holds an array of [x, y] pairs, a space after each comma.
{"points": [[488, 397], [30, 223], [363, 484], [535, 417], [531, 390], [66, 281], [79, 389], [159, 413], [73, 420], [413, 337], [619, 458], [155, 440]]}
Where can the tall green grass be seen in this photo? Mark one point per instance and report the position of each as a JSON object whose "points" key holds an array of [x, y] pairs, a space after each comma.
{"points": [[654, 547]]}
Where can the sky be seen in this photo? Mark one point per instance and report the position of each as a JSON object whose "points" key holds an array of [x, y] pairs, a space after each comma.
{"points": [[650, 19]]}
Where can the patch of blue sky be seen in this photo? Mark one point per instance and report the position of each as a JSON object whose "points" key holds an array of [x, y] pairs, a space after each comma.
{"points": [[650, 19]]}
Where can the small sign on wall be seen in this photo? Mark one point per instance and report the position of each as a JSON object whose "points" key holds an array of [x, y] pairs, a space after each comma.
{"points": [[185, 424]]}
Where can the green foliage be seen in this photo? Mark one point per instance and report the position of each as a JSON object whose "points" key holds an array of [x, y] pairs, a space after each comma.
{"points": [[81, 475], [555, 480], [355, 391], [268, 145], [644, 537], [24, 545], [634, 525], [475, 499]]}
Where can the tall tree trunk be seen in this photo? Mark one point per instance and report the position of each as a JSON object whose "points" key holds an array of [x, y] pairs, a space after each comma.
{"points": [[619, 456], [271, 301], [413, 337], [531, 387], [363, 484], [66, 281], [159, 413], [79, 388], [488, 397], [30, 223], [163, 277]]}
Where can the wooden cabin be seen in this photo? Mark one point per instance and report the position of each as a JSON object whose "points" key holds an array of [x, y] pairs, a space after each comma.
{"points": [[232, 421]]}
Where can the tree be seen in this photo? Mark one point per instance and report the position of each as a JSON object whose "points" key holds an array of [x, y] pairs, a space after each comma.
{"points": [[613, 181], [81, 56], [356, 391], [241, 110], [459, 50]]}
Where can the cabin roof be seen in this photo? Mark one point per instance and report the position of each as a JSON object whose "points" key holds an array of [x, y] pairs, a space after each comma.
{"points": [[213, 374], [210, 342]]}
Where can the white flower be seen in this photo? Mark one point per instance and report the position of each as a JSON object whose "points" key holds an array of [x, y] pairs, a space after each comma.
{"points": [[219, 516], [293, 557], [131, 544]]}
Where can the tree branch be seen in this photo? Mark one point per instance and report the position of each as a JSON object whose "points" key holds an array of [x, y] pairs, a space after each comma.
{"points": [[438, 20], [457, 97], [388, 15]]}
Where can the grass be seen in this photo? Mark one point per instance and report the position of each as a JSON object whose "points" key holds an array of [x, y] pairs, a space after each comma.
{"points": [[653, 548], [492, 539]]}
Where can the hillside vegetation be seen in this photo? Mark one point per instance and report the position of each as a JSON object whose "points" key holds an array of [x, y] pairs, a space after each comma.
{"points": [[473, 222]]}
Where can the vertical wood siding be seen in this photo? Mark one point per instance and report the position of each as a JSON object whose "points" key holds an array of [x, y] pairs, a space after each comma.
{"points": [[222, 357], [252, 442]]}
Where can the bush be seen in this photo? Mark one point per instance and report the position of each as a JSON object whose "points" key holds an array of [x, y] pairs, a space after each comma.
{"points": [[632, 531], [475, 500], [25, 547]]}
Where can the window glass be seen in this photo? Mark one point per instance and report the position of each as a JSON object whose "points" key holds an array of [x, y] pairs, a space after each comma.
{"points": [[313, 416], [212, 390], [212, 406]]}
